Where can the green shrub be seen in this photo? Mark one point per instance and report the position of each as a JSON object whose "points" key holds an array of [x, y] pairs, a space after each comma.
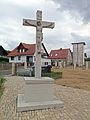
{"points": [[54, 75], [3, 62], [1, 85], [2, 81], [1, 92], [5, 59], [87, 59]]}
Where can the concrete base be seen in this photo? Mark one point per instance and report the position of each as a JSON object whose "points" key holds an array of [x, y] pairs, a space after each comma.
{"points": [[38, 94], [23, 106]]}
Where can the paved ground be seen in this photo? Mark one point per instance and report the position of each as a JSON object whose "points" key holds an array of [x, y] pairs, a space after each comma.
{"points": [[76, 103]]}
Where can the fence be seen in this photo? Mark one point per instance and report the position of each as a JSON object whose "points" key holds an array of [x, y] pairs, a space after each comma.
{"points": [[6, 66]]}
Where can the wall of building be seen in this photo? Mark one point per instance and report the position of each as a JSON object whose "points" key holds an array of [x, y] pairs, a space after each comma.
{"points": [[69, 58], [78, 54], [75, 53], [80, 60], [45, 61], [57, 61], [23, 59]]}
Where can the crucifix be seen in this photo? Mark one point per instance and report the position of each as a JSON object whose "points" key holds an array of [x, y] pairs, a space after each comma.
{"points": [[39, 24]]}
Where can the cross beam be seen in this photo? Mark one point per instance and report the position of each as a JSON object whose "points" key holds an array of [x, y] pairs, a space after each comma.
{"points": [[28, 22], [39, 24]]}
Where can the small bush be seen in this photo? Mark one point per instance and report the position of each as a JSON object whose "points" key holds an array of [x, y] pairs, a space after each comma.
{"points": [[1, 92], [54, 75], [3, 62], [2, 81], [5, 59], [87, 59]]}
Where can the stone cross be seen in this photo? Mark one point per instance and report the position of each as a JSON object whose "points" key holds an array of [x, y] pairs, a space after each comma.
{"points": [[39, 24]]}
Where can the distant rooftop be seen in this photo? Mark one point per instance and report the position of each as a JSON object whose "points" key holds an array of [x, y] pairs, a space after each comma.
{"points": [[59, 53], [79, 43]]}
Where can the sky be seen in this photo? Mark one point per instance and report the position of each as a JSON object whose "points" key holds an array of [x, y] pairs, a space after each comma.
{"points": [[71, 17]]}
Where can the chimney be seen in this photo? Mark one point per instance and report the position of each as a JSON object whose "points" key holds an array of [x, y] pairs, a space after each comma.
{"points": [[60, 48]]}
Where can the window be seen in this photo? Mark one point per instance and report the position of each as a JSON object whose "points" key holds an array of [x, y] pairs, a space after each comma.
{"points": [[46, 63], [51, 54], [56, 54], [12, 58], [20, 50], [23, 50], [19, 57]]}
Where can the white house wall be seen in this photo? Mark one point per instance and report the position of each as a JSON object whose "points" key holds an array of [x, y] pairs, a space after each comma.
{"points": [[44, 60], [69, 58], [23, 59]]}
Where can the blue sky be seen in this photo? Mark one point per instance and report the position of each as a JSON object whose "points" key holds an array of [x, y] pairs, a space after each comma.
{"points": [[71, 17]]}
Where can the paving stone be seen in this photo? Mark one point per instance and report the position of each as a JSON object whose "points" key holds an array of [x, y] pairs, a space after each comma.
{"points": [[76, 103]]}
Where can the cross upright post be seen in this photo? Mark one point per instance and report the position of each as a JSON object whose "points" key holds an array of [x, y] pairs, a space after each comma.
{"points": [[39, 24], [38, 44]]}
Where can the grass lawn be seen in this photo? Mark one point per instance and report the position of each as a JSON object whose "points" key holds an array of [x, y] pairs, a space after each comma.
{"points": [[54, 75]]}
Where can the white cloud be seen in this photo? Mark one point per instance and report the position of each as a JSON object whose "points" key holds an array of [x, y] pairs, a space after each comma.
{"points": [[12, 32], [75, 7]]}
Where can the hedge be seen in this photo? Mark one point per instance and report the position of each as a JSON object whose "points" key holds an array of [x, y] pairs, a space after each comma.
{"points": [[87, 59], [4, 59]]}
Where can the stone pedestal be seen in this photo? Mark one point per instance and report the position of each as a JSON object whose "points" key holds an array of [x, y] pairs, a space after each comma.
{"points": [[56, 63], [86, 65], [74, 66], [64, 64], [38, 94], [14, 68], [25, 65], [60, 64]]}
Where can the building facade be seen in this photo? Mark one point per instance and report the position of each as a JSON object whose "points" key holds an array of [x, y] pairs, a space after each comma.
{"points": [[78, 53], [61, 55], [26, 53]]}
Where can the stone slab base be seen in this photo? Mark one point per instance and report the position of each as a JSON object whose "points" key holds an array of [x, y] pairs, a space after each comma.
{"points": [[23, 106]]}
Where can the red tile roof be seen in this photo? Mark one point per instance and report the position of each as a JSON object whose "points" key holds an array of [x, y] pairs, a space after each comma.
{"points": [[30, 50], [60, 53]]}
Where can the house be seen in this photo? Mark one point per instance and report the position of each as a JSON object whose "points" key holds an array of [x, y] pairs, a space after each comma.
{"points": [[3, 51], [61, 55], [26, 53]]}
